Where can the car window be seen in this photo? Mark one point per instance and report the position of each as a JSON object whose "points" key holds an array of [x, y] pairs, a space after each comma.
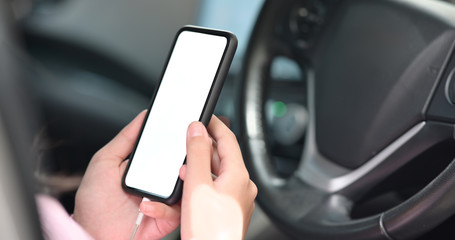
{"points": [[237, 16]]}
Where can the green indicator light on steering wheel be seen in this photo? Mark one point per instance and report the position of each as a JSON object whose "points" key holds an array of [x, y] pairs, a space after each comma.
{"points": [[279, 109]]}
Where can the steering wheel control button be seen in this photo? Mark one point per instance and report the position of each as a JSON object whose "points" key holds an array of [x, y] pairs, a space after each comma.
{"points": [[289, 122], [450, 87]]}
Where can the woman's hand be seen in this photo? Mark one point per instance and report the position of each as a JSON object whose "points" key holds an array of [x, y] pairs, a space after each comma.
{"points": [[215, 207], [104, 210]]}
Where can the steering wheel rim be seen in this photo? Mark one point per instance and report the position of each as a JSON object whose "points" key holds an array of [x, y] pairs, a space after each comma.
{"points": [[310, 204]]}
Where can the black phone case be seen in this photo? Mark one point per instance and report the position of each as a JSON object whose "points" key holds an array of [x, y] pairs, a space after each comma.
{"points": [[207, 111]]}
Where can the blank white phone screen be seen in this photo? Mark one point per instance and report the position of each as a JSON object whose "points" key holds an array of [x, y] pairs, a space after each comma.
{"points": [[179, 101]]}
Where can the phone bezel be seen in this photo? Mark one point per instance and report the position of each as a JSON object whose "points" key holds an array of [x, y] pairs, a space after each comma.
{"points": [[207, 111]]}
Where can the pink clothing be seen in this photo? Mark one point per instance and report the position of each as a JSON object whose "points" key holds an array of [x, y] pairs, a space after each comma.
{"points": [[55, 221]]}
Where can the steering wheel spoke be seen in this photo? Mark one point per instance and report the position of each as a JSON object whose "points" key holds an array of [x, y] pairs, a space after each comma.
{"points": [[318, 171]]}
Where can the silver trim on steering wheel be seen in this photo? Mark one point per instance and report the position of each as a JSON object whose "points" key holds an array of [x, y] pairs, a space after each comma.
{"points": [[318, 171]]}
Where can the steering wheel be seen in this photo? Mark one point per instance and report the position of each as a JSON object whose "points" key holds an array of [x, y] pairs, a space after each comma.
{"points": [[379, 94]]}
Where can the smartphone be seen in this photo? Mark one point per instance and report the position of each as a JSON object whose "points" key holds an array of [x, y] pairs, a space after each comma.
{"points": [[188, 91]]}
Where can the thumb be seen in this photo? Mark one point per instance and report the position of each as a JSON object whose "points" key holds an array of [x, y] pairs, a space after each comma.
{"points": [[199, 154]]}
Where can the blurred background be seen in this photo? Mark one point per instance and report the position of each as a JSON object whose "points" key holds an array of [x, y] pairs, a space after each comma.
{"points": [[95, 64], [92, 65]]}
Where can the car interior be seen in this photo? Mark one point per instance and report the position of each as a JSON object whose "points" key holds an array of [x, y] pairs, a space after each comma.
{"points": [[344, 109]]}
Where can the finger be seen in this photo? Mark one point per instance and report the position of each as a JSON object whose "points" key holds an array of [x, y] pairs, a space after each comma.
{"points": [[122, 168], [215, 159], [122, 144], [225, 120], [227, 146], [160, 210], [182, 172], [199, 154]]}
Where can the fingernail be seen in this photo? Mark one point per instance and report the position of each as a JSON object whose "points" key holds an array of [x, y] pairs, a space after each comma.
{"points": [[196, 129]]}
